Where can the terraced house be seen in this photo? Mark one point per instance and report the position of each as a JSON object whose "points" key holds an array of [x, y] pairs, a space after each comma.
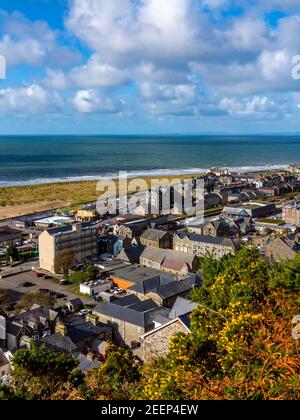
{"points": [[202, 245]]}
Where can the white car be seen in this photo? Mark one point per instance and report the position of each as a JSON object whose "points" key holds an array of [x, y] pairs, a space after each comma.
{"points": [[84, 312]]}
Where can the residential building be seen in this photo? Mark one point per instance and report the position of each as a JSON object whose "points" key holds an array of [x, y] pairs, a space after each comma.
{"points": [[156, 238], [81, 239], [170, 261], [291, 214], [163, 290], [129, 317], [221, 227], [131, 255], [283, 248], [202, 245], [35, 323], [156, 343], [9, 236]]}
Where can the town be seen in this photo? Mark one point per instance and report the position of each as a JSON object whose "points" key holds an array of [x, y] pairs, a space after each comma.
{"points": [[74, 281]]}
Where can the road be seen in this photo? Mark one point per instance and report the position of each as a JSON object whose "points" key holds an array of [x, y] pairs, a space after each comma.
{"points": [[12, 283]]}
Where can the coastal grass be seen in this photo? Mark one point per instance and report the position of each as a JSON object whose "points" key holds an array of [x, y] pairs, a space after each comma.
{"points": [[71, 193]]}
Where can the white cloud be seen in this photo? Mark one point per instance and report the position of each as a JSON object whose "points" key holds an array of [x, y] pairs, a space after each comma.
{"points": [[91, 101], [97, 74], [32, 42], [29, 99]]}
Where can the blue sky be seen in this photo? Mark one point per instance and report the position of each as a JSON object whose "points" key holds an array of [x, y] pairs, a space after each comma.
{"points": [[149, 66]]}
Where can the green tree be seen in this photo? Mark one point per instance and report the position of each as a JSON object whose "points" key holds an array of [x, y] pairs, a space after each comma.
{"points": [[286, 274], [64, 261], [39, 372], [12, 254], [116, 377]]}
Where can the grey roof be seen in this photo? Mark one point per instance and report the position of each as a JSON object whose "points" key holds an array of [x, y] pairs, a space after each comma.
{"points": [[213, 240], [182, 307], [138, 274], [132, 254], [37, 313], [7, 233], [159, 255], [75, 302], [161, 316], [13, 329], [147, 285], [69, 228], [127, 301], [137, 314], [154, 235], [83, 332], [59, 343], [178, 287]]}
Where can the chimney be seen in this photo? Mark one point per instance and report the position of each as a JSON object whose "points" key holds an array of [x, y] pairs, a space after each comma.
{"points": [[61, 328], [76, 227], [93, 319]]}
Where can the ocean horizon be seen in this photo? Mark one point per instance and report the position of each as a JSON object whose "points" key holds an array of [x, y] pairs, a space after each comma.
{"points": [[31, 160]]}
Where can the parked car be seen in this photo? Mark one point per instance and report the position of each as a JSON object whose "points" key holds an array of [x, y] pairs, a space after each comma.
{"points": [[63, 282], [26, 284], [84, 312]]}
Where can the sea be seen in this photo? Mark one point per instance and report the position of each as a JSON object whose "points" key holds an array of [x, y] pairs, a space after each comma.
{"points": [[33, 160]]}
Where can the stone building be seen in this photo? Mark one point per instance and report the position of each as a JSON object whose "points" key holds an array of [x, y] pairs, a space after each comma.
{"points": [[156, 238], [156, 343], [202, 245]]}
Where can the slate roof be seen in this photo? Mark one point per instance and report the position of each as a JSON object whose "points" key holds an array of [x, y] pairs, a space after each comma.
{"points": [[8, 234], [13, 329], [178, 287], [154, 235], [147, 285], [58, 343], [159, 255], [138, 314], [138, 274], [37, 314], [69, 228], [83, 332], [182, 307], [132, 254], [212, 240]]}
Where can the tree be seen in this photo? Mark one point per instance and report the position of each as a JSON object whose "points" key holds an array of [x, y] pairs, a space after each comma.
{"points": [[89, 274], [286, 274], [39, 373], [38, 298], [12, 254], [116, 377], [64, 261]]}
